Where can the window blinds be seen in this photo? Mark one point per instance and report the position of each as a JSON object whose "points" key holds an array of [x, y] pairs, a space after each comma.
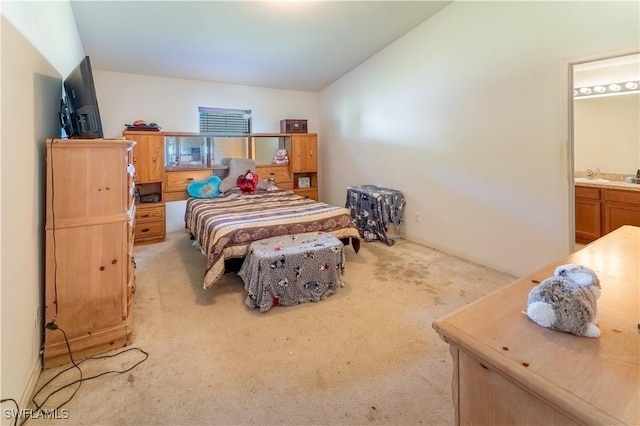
{"points": [[220, 120]]}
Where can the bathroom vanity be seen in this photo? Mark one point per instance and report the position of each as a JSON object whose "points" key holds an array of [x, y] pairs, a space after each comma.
{"points": [[603, 206]]}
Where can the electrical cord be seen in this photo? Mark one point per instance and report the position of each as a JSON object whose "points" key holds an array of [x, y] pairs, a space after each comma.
{"points": [[53, 237], [76, 365], [15, 418], [53, 326]]}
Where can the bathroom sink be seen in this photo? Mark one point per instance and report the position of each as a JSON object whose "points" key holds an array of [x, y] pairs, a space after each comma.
{"points": [[590, 180]]}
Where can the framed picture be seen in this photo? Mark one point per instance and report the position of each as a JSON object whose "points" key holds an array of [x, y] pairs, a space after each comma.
{"points": [[304, 182]]}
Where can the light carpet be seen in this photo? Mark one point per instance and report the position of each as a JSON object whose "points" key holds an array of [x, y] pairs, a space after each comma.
{"points": [[365, 355]]}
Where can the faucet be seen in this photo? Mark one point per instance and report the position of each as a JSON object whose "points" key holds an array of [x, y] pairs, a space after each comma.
{"points": [[593, 173]]}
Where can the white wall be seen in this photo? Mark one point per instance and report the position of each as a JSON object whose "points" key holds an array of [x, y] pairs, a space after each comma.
{"points": [[468, 116], [173, 104], [39, 44]]}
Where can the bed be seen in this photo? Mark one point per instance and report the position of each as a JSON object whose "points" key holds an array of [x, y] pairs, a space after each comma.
{"points": [[224, 227]]}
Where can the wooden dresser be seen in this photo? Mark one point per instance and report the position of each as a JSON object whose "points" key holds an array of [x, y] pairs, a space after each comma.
{"points": [[509, 370], [89, 277]]}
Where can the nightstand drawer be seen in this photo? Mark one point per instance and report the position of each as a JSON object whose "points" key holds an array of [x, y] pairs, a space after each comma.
{"points": [[308, 193], [149, 230], [149, 212], [279, 173]]}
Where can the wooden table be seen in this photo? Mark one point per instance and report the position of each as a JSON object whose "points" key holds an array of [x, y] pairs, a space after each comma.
{"points": [[509, 370]]}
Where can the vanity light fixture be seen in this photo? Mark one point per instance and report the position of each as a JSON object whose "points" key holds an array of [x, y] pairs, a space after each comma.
{"points": [[599, 90]]}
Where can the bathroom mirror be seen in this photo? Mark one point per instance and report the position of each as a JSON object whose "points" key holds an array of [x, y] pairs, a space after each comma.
{"points": [[607, 126]]}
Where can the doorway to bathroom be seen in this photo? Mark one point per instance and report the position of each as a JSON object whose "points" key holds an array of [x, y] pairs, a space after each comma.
{"points": [[605, 139]]}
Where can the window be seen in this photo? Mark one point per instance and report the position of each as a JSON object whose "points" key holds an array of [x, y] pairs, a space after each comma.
{"points": [[228, 121]]}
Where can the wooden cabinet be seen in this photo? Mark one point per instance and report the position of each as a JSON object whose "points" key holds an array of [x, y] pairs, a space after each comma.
{"points": [[621, 208], [588, 214], [148, 160], [303, 159], [148, 156], [304, 153], [600, 210], [89, 276], [509, 370]]}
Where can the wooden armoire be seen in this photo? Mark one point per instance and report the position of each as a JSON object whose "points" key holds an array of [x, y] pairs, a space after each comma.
{"points": [[89, 276]]}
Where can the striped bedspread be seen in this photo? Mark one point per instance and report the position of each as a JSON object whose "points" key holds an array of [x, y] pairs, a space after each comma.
{"points": [[224, 227]]}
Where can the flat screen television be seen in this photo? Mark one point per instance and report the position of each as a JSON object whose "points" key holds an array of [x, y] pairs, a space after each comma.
{"points": [[79, 114]]}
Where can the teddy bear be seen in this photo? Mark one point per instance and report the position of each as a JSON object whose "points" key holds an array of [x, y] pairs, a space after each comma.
{"points": [[567, 301], [248, 182], [281, 157]]}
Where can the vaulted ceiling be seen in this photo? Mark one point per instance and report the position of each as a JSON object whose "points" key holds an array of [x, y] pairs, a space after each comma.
{"points": [[297, 45]]}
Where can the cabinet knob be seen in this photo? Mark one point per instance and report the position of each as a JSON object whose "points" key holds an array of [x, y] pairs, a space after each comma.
{"points": [[189, 178]]}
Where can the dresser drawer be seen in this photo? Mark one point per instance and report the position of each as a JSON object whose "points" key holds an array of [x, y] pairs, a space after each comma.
{"points": [[279, 173], [622, 196], [587, 192], [151, 230], [308, 193], [177, 181], [149, 212]]}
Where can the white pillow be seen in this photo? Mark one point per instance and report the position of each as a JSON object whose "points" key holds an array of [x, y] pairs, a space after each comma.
{"points": [[237, 167]]}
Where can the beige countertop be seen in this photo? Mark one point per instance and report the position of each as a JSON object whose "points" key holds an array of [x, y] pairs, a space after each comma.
{"points": [[609, 185]]}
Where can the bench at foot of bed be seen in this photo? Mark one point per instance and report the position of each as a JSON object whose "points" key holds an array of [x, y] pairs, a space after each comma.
{"points": [[292, 269]]}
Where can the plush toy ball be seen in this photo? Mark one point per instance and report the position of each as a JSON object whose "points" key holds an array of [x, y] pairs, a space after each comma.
{"points": [[248, 182]]}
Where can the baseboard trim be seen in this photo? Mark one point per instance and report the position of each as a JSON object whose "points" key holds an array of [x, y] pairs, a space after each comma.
{"points": [[27, 394], [465, 256]]}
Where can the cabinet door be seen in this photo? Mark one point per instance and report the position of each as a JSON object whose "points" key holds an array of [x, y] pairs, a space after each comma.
{"points": [[86, 278], [304, 149], [617, 215], [148, 157], [621, 208], [588, 220], [78, 190]]}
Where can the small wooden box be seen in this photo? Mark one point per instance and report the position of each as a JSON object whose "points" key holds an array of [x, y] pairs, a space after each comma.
{"points": [[293, 126]]}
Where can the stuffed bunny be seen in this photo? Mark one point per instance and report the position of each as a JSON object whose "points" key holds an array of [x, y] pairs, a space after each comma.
{"points": [[567, 301]]}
